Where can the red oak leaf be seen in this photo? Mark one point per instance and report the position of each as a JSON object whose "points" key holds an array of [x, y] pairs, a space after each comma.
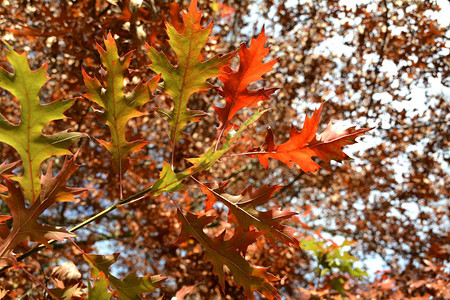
{"points": [[25, 219], [221, 252], [303, 145], [251, 68], [243, 212]]}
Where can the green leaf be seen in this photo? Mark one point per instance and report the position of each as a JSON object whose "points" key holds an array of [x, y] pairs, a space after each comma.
{"points": [[118, 107], [331, 257], [168, 181], [232, 138], [27, 138], [190, 75], [100, 263], [129, 287], [100, 289], [206, 160], [337, 284]]}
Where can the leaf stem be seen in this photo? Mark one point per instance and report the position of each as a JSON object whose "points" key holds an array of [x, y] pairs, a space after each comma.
{"points": [[175, 202], [172, 159], [120, 182], [219, 137], [249, 153]]}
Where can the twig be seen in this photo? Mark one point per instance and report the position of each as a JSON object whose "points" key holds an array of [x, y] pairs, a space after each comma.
{"points": [[37, 281], [83, 224]]}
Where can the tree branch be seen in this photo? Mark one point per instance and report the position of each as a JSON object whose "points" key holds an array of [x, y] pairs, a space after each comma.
{"points": [[83, 224]]}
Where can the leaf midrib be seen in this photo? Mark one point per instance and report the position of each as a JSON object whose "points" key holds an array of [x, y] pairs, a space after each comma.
{"points": [[182, 90]]}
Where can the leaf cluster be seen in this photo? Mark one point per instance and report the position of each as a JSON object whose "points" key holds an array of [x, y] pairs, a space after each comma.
{"points": [[184, 74]]}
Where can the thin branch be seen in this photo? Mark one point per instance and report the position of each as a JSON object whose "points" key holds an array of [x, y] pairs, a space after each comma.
{"points": [[289, 184], [83, 224], [381, 54], [220, 135], [248, 167], [38, 282], [249, 153]]}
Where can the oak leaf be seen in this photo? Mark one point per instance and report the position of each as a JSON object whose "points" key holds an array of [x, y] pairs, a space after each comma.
{"points": [[221, 252], [118, 107], [235, 83], [26, 137], [305, 144], [129, 287], [100, 289], [25, 225], [190, 75], [243, 212]]}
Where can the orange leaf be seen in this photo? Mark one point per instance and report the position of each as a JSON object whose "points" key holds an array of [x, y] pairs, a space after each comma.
{"points": [[303, 145], [235, 89]]}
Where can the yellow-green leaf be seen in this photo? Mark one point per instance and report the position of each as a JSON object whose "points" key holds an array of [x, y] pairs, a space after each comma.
{"points": [[168, 181], [100, 289], [118, 107], [26, 137], [130, 287], [190, 74]]}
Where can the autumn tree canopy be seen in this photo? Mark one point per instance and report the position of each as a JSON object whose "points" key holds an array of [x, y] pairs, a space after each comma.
{"points": [[210, 139]]}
